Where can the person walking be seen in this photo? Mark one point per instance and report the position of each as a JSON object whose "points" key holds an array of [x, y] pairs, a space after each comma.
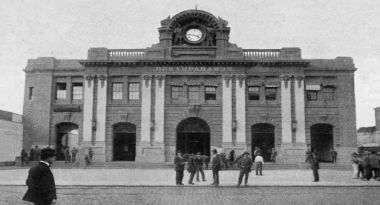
{"points": [[199, 163], [334, 154], [67, 155], [40, 181], [24, 157], [367, 166], [355, 165], [74, 152], [216, 167], [374, 163], [179, 163], [314, 165], [259, 161], [245, 164]]}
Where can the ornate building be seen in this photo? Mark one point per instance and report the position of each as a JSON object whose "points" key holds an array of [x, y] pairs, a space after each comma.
{"points": [[192, 91]]}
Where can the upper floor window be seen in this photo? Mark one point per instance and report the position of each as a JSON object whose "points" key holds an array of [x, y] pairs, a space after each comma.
{"points": [[117, 91], [30, 92], [193, 93], [134, 91], [176, 92], [328, 93], [210, 93], [312, 95], [77, 91], [270, 93], [61, 91], [253, 93]]}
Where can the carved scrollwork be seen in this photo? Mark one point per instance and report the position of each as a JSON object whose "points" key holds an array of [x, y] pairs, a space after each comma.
{"points": [[286, 79], [160, 79], [227, 79], [300, 78], [102, 79], [241, 79], [89, 78], [147, 79]]}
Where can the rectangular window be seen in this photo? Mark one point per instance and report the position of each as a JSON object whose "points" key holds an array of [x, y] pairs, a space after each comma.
{"points": [[117, 91], [328, 93], [30, 93], [61, 91], [176, 92], [193, 94], [134, 91], [210, 93], [253, 93], [77, 91], [270, 93], [312, 95]]}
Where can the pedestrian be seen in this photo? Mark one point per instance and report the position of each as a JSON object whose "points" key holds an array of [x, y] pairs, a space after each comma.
{"points": [[231, 157], [37, 154], [40, 181], [314, 165], [245, 164], [216, 167], [374, 163], [90, 154], [67, 155], [179, 163], [191, 168], [259, 161], [24, 157], [355, 165], [308, 156], [367, 166], [257, 151], [207, 161], [31, 154], [199, 164], [333, 155], [74, 152], [273, 155]]}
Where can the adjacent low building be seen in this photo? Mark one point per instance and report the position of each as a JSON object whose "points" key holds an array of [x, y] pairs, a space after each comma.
{"points": [[192, 91], [11, 136]]}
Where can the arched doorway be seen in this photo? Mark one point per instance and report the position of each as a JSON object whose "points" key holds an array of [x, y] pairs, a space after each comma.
{"points": [[124, 141], [67, 135], [263, 137], [322, 141], [193, 135]]}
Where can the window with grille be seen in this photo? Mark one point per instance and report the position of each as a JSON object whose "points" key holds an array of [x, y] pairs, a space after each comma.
{"points": [[176, 92], [312, 95], [253, 93], [77, 91], [328, 93], [134, 91], [210, 93], [270, 93], [117, 91], [61, 91], [193, 94]]}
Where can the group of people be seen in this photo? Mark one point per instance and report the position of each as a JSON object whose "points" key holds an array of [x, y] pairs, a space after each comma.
{"points": [[366, 165], [34, 155], [70, 154], [219, 161]]}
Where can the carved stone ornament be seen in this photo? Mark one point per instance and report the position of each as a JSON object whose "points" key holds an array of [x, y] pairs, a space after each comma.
{"points": [[194, 110], [67, 117], [300, 78], [241, 79], [286, 79], [89, 78], [160, 79], [323, 117], [147, 79], [227, 78], [124, 117], [102, 78]]}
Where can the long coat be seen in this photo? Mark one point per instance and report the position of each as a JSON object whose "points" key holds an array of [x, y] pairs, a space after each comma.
{"points": [[41, 185], [314, 164], [179, 164], [216, 163]]}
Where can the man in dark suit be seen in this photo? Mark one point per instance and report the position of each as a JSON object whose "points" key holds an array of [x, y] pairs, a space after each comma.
{"points": [[245, 164], [179, 163], [314, 165], [191, 168], [216, 166], [40, 181], [199, 163]]}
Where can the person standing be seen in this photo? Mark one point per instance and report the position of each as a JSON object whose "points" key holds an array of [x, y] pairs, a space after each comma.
{"points": [[245, 165], [231, 157], [259, 161], [74, 152], [374, 163], [191, 168], [40, 181], [90, 154], [334, 154], [31, 154], [367, 166], [179, 168], [67, 155], [24, 157], [216, 166], [199, 164], [355, 165], [314, 165], [273, 155]]}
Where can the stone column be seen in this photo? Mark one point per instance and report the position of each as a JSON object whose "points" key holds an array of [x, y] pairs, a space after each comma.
{"points": [[240, 114], [101, 109], [88, 108], [299, 95], [227, 111], [146, 102], [159, 109], [286, 118]]}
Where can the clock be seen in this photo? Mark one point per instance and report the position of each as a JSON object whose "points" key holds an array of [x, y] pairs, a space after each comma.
{"points": [[194, 35]]}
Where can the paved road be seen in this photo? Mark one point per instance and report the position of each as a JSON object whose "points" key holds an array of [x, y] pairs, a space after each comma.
{"points": [[203, 195]]}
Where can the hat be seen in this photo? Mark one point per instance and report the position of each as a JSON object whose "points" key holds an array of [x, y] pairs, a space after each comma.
{"points": [[246, 153], [47, 152], [214, 151]]}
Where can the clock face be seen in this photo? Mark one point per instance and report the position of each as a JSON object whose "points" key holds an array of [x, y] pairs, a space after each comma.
{"points": [[194, 35]]}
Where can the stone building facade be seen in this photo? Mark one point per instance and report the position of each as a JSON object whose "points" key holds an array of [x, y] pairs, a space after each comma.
{"points": [[10, 136], [193, 91]]}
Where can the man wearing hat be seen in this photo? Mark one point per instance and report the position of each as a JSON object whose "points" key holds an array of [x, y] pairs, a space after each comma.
{"points": [[245, 165], [216, 166], [40, 181], [179, 163]]}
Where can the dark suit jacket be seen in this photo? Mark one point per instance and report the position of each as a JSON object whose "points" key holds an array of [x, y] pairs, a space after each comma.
{"points": [[216, 163], [314, 164], [179, 163], [41, 185]]}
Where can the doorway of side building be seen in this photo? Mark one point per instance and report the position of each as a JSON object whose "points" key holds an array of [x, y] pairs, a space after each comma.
{"points": [[263, 138], [322, 141], [124, 141], [67, 136], [193, 135]]}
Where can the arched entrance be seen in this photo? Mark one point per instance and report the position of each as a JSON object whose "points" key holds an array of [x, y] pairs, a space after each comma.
{"points": [[193, 135], [67, 135], [263, 137], [322, 141], [124, 141]]}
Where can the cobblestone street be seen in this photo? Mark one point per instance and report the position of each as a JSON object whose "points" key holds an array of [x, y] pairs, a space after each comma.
{"points": [[203, 195]]}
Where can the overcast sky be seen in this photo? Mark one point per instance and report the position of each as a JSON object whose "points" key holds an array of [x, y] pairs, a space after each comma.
{"points": [[66, 29]]}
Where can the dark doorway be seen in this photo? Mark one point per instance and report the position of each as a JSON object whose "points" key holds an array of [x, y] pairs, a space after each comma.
{"points": [[322, 141], [124, 142], [67, 136], [263, 138], [193, 135]]}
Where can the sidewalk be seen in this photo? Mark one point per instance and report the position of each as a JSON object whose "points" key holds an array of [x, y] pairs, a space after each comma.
{"points": [[166, 177]]}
